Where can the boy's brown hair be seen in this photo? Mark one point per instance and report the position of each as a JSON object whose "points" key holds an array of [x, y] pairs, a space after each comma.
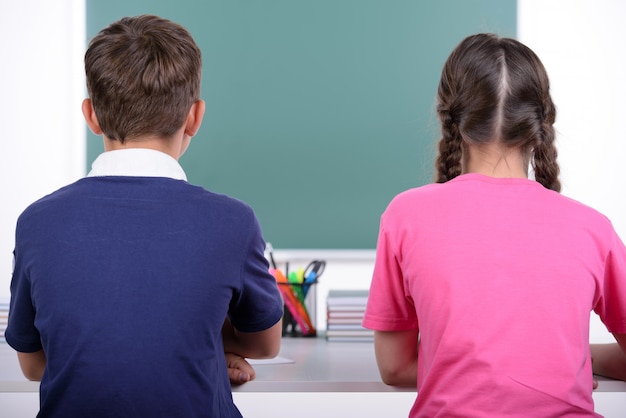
{"points": [[143, 74]]}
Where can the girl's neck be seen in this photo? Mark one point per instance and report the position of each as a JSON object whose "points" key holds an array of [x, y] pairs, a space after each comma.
{"points": [[495, 161]]}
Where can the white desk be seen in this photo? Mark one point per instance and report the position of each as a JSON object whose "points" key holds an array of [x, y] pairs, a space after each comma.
{"points": [[320, 366], [324, 378]]}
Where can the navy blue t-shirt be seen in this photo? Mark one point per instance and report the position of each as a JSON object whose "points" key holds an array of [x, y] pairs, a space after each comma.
{"points": [[125, 283]]}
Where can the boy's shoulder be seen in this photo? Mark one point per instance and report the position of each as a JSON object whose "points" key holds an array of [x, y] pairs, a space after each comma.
{"points": [[88, 191], [225, 200]]}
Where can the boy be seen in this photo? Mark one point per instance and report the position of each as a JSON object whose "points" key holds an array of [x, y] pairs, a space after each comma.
{"points": [[131, 284]]}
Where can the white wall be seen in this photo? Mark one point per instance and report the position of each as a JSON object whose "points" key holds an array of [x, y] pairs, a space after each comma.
{"points": [[583, 50], [41, 85], [581, 43]]}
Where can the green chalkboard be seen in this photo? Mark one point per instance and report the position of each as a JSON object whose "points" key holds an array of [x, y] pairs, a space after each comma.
{"points": [[318, 111]]}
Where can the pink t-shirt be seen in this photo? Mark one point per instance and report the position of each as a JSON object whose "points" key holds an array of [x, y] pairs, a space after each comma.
{"points": [[499, 276]]}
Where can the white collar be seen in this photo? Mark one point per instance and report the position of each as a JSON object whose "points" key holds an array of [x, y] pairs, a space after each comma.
{"points": [[136, 162]]}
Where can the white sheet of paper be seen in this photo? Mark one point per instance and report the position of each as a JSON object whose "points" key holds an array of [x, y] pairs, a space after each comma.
{"points": [[275, 360]]}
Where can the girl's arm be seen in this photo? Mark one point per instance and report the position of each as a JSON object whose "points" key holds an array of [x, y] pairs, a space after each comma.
{"points": [[609, 360], [396, 356]]}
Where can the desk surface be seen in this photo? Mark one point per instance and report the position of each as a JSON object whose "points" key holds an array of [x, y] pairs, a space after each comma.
{"points": [[316, 366], [320, 366]]}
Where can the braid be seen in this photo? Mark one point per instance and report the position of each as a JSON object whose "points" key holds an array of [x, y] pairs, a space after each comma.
{"points": [[544, 159], [448, 163], [465, 104]]}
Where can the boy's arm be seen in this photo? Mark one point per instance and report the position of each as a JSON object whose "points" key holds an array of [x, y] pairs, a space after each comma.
{"points": [[609, 360], [32, 364], [396, 357], [258, 345], [239, 370]]}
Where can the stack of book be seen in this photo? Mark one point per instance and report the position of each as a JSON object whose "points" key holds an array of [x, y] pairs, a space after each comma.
{"points": [[4, 318], [345, 309]]}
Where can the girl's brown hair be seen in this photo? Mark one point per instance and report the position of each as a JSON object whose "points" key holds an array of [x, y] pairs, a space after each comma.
{"points": [[143, 74], [496, 89]]}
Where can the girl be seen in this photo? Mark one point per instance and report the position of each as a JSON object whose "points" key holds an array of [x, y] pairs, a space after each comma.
{"points": [[484, 282]]}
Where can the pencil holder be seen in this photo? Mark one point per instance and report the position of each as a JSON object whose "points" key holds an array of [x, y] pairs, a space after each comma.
{"points": [[300, 310], [299, 292]]}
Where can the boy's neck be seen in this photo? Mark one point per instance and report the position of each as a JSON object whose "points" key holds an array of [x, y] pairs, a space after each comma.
{"points": [[172, 146]]}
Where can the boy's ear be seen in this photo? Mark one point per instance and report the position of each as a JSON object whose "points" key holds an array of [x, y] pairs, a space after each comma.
{"points": [[90, 117], [194, 118]]}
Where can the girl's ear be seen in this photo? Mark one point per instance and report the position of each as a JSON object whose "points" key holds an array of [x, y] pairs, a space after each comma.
{"points": [[194, 118], [90, 117]]}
